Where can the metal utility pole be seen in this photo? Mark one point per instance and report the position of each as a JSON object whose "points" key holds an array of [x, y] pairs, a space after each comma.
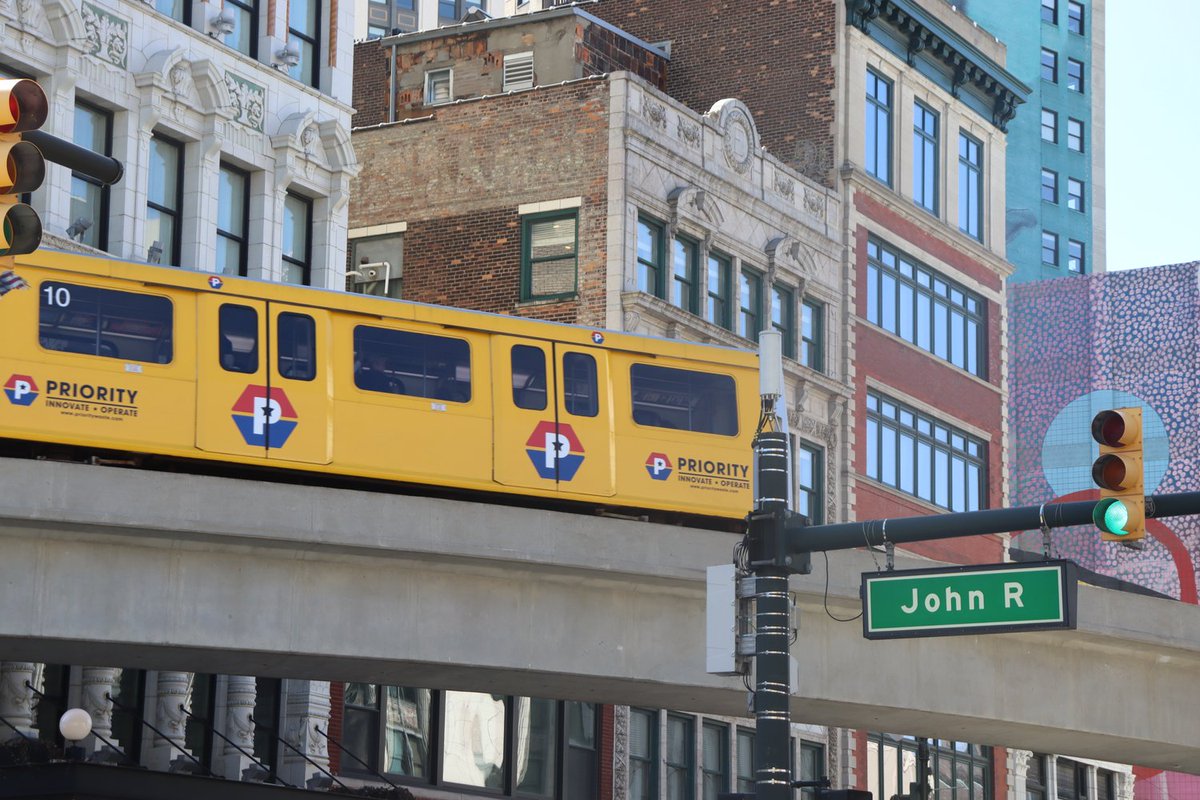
{"points": [[770, 565]]}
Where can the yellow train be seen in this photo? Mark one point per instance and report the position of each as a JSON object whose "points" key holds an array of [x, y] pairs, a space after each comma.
{"points": [[106, 355]]}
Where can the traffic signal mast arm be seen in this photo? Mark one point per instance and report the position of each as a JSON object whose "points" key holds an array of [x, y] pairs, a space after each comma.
{"points": [[903, 530], [105, 169]]}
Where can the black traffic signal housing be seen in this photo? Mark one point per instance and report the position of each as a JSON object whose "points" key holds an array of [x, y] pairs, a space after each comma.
{"points": [[1121, 513], [23, 107]]}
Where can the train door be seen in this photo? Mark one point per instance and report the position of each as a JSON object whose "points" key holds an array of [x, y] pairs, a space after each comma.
{"points": [[553, 425], [262, 388]]}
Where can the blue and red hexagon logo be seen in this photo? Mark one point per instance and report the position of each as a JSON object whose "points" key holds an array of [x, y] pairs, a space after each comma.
{"points": [[659, 466], [264, 417], [555, 451], [22, 390]]}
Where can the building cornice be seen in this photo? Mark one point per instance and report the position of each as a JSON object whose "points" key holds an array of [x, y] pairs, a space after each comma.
{"points": [[921, 33]]}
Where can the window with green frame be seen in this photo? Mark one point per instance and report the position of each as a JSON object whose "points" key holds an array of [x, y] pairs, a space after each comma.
{"points": [[685, 270], [643, 754], [810, 477], [679, 760], [812, 766], [783, 317], [651, 256], [745, 760], [812, 335], [749, 304], [549, 255], [714, 766], [719, 295]]}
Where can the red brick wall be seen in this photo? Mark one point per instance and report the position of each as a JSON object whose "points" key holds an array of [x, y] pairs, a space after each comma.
{"points": [[776, 56], [337, 696], [458, 179], [372, 77], [602, 50], [604, 752]]}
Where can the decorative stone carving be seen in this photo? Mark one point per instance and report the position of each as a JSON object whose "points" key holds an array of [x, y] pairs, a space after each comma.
{"points": [[167, 747], [691, 201], [249, 101], [96, 700], [791, 254], [785, 186], [655, 113], [16, 698], [814, 203], [106, 35], [630, 321], [689, 132], [620, 783], [739, 136], [241, 691], [307, 708]]}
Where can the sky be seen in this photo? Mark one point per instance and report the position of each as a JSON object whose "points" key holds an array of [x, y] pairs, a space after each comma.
{"points": [[1152, 128]]}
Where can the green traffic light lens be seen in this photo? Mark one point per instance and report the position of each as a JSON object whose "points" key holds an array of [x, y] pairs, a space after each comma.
{"points": [[1112, 516]]}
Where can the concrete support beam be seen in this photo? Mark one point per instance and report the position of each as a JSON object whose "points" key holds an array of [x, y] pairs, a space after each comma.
{"points": [[140, 569]]}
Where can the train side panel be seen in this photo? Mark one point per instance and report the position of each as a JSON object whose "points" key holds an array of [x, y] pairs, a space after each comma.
{"points": [[92, 360]]}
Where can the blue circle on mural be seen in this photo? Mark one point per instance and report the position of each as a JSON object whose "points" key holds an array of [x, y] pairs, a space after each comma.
{"points": [[1069, 450]]}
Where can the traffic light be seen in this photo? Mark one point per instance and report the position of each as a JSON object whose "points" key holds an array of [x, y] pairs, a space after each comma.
{"points": [[1121, 513], [23, 107]]}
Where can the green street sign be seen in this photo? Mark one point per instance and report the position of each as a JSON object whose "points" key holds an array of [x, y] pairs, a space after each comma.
{"points": [[988, 598]]}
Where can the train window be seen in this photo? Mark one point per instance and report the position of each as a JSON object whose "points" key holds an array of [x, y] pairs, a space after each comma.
{"points": [[297, 345], [415, 364], [238, 342], [579, 385], [682, 399], [105, 322], [529, 377]]}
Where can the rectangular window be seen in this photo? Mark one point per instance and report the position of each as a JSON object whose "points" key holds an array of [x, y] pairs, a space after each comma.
{"points": [[745, 761], [413, 364], [583, 752], [959, 771], [1049, 126], [810, 477], [878, 127], [1106, 784], [812, 335], [1049, 65], [970, 186], [1074, 194], [1049, 186], [749, 304], [923, 457], [1050, 11], [580, 390], [908, 299], [783, 317], [651, 253], [925, 157], [518, 72], [1074, 75], [714, 778], [643, 754], [386, 18], [296, 345], [268, 693], [1075, 17], [549, 255], [439, 86], [241, 18], [233, 220], [451, 12], [164, 200], [89, 198], [175, 9], [1071, 779], [685, 266], [1050, 248], [1075, 135], [678, 758], [297, 239], [720, 290], [304, 40], [1035, 778], [104, 322], [1075, 261], [474, 731], [237, 345], [529, 377], [812, 766], [683, 399], [537, 731]]}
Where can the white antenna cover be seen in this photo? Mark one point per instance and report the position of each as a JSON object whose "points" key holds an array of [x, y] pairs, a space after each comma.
{"points": [[770, 364]]}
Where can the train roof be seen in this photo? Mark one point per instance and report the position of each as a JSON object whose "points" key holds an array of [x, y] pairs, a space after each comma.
{"points": [[448, 316]]}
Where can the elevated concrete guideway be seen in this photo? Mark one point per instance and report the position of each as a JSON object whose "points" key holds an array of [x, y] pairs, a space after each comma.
{"points": [[119, 567]]}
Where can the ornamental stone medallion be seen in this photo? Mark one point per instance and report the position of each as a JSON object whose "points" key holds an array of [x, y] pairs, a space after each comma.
{"points": [[737, 128]]}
